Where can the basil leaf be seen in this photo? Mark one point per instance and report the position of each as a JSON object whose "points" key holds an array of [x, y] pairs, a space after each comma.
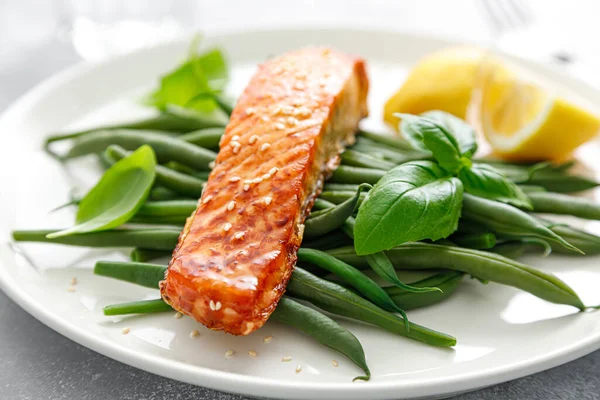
{"points": [[464, 133], [411, 202], [486, 181], [118, 195], [201, 74], [427, 134]]}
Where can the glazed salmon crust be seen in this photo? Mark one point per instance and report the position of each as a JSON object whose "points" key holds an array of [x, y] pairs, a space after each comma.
{"points": [[237, 251]]}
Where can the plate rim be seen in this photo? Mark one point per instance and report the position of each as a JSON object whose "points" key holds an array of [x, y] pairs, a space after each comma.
{"points": [[260, 386]]}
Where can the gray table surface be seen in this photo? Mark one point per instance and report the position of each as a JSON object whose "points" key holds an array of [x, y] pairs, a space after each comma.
{"points": [[38, 363]]}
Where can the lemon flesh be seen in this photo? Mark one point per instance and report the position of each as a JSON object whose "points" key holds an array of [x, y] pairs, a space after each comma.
{"points": [[529, 121]]}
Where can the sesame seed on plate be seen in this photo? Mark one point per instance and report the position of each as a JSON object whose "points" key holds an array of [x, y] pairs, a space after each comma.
{"points": [[286, 359], [264, 146], [235, 179], [252, 353], [231, 205], [267, 339], [227, 227], [299, 368], [71, 289], [125, 331], [253, 139], [194, 333], [335, 363], [229, 353], [178, 315], [207, 199], [267, 200], [73, 281]]}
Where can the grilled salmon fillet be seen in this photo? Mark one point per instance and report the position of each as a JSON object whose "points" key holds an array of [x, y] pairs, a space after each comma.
{"points": [[237, 251]]}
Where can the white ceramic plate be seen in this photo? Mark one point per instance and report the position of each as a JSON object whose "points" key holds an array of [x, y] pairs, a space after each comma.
{"points": [[502, 333]]}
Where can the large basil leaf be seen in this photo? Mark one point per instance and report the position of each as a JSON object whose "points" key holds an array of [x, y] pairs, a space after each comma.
{"points": [[463, 132], [486, 181], [428, 134], [118, 195], [414, 201]]}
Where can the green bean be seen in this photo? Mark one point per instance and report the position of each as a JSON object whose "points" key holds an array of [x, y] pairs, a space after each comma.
{"points": [[166, 148], [548, 176], [173, 220], [202, 175], [160, 193], [516, 248], [396, 156], [447, 281], [137, 307], [484, 265], [168, 208], [142, 274], [505, 219], [165, 121], [207, 138], [323, 329], [154, 239], [336, 299], [365, 285], [559, 182], [358, 159], [513, 249], [173, 180], [184, 169], [344, 187], [321, 223], [387, 140], [588, 243], [340, 196], [143, 255], [478, 241], [532, 189], [357, 175], [556, 203], [105, 162], [330, 241]]}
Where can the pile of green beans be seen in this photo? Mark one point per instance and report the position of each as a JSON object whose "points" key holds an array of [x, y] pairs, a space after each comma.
{"points": [[491, 235]]}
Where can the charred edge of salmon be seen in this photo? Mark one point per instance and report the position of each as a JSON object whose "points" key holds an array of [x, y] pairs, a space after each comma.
{"points": [[336, 131]]}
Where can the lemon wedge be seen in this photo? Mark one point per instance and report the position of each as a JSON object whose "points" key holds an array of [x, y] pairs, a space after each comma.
{"points": [[442, 81], [524, 118]]}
